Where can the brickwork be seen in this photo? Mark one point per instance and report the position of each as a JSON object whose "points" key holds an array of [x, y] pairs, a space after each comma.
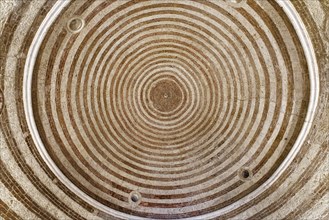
{"points": [[163, 110]]}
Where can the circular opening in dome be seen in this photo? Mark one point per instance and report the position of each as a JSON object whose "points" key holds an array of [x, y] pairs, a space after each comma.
{"points": [[75, 25], [245, 173], [135, 198]]}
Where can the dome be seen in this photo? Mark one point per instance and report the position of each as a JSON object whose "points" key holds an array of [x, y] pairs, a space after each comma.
{"points": [[173, 109]]}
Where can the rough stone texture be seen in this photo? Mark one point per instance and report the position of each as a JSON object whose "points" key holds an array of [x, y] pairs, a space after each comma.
{"points": [[29, 190]]}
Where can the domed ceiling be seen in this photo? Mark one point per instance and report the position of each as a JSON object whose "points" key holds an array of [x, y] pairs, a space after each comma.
{"points": [[173, 109]]}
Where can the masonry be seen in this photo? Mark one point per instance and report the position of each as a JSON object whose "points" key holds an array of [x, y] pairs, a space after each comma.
{"points": [[173, 109]]}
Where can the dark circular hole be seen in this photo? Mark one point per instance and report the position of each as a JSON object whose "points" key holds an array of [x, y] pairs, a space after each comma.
{"points": [[134, 198], [245, 174]]}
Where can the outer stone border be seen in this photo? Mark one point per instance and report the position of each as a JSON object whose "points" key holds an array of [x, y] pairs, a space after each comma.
{"points": [[2, 102], [314, 96]]}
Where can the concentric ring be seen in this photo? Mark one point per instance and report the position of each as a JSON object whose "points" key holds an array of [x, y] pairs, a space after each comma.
{"points": [[170, 99]]}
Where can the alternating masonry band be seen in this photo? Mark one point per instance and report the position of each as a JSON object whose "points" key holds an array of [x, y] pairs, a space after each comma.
{"points": [[169, 109]]}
